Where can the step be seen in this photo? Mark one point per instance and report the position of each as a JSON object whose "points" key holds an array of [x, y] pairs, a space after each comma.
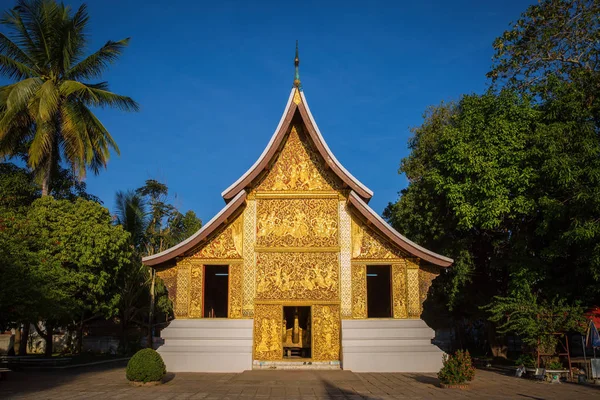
{"points": [[219, 342], [207, 323], [296, 365], [375, 333], [387, 342], [383, 323], [392, 350]]}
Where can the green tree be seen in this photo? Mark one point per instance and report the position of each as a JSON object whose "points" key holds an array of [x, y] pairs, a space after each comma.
{"points": [[79, 244], [47, 109]]}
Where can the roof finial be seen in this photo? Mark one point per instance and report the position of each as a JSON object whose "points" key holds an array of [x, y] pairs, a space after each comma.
{"points": [[297, 73]]}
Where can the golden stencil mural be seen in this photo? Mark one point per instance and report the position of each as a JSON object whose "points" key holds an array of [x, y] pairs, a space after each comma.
{"points": [[268, 321], [297, 276], [366, 243], [227, 244], [399, 290], [326, 331], [195, 308], [249, 240], [183, 289], [359, 291], [235, 290], [345, 260], [412, 289], [427, 274], [169, 277], [299, 167], [297, 222]]}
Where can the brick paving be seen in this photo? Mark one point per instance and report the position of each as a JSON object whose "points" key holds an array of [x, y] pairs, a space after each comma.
{"points": [[108, 382]]}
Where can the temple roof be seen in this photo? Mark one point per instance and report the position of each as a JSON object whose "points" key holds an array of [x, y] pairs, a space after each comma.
{"points": [[297, 104], [373, 219]]}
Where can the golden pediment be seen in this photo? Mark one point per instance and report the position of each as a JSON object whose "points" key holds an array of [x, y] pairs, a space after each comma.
{"points": [[226, 244], [299, 167], [368, 244]]}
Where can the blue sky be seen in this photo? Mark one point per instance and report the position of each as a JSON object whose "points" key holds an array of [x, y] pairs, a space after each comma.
{"points": [[212, 79]]}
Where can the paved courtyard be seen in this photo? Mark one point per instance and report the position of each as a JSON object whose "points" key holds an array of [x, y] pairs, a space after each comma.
{"points": [[108, 382]]}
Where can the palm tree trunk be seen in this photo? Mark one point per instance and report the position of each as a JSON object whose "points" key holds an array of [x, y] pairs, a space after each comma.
{"points": [[151, 314]]}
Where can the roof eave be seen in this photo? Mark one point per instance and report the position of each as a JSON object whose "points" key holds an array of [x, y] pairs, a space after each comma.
{"points": [[200, 235], [398, 239]]}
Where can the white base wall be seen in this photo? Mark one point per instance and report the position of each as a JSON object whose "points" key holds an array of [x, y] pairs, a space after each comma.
{"points": [[207, 345], [401, 345]]}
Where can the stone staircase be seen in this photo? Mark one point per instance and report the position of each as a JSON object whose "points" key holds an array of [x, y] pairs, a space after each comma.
{"points": [[207, 345], [380, 345]]}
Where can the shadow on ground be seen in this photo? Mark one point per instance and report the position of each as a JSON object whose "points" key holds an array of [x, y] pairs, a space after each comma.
{"points": [[25, 382]]}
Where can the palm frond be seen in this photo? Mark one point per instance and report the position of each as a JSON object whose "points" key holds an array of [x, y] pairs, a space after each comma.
{"points": [[93, 65], [96, 95], [49, 98], [12, 19], [14, 69], [42, 145], [75, 138], [12, 50]]}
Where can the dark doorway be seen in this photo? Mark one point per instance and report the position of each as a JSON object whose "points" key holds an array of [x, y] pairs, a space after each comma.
{"points": [[379, 293], [216, 288], [297, 332]]}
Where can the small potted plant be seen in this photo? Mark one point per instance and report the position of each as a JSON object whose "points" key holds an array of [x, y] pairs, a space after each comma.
{"points": [[457, 371], [554, 368], [146, 368]]}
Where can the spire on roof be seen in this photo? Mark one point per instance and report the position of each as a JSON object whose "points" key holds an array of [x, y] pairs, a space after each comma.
{"points": [[297, 73]]}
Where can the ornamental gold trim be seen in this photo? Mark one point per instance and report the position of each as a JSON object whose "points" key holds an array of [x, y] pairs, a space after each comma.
{"points": [[399, 291], [216, 261], [265, 249], [287, 194], [268, 325], [235, 291]]}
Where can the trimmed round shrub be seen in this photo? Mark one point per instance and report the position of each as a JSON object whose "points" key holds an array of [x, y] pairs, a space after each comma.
{"points": [[146, 366], [458, 369]]}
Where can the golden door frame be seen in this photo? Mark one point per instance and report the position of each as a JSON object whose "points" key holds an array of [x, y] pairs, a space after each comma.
{"points": [[281, 305]]}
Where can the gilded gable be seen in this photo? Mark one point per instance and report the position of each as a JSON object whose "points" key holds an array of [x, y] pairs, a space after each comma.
{"points": [[299, 167], [226, 244], [368, 244]]}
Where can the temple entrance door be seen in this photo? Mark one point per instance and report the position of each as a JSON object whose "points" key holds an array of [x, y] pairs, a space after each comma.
{"points": [[297, 337], [216, 289]]}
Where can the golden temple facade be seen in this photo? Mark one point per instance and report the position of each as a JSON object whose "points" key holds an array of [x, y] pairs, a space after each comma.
{"points": [[297, 231]]}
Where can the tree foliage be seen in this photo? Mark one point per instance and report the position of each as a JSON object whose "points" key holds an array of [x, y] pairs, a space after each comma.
{"points": [[48, 108], [508, 182]]}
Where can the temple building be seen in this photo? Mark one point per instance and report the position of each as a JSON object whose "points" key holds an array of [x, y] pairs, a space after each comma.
{"points": [[297, 271]]}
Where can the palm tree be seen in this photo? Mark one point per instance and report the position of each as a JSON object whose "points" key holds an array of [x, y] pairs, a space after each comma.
{"points": [[131, 214], [48, 108]]}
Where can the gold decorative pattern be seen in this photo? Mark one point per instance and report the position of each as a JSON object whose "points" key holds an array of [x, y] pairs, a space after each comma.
{"points": [[326, 331], [297, 276], [359, 291], [412, 282], [235, 290], [297, 222], [345, 260], [183, 289], [427, 274], [399, 290], [367, 244], [195, 307], [249, 241], [299, 167], [169, 277], [268, 325], [226, 244], [297, 98]]}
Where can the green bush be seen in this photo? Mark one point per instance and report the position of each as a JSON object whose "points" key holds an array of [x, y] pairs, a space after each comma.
{"points": [[146, 366], [526, 360], [554, 364], [457, 369]]}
